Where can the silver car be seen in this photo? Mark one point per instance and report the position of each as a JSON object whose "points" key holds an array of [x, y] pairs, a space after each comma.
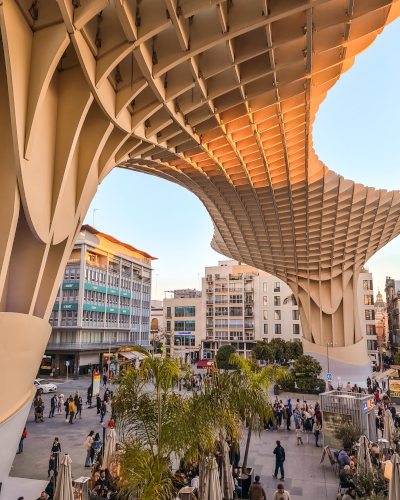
{"points": [[45, 386]]}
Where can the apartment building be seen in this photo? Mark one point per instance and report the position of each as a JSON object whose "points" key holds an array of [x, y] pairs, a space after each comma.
{"points": [[242, 305], [103, 302], [183, 324], [366, 309]]}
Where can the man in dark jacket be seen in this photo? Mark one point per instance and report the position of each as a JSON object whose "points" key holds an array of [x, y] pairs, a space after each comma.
{"points": [[89, 396], [256, 490], [279, 453], [50, 488], [53, 404], [103, 411]]}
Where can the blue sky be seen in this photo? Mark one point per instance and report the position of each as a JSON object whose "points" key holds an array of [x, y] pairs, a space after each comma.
{"points": [[356, 134]]}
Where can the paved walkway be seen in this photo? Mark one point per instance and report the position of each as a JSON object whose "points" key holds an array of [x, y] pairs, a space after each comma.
{"points": [[304, 477]]}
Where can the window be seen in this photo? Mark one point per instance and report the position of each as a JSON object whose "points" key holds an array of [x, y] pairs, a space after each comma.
{"points": [[265, 315], [236, 323], [277, 300], [371, 345], [369, 314], [221, 299], [277, 286], [368, 300], [294, 301], [190, 326], [236, 299], [236, 336], [179, 311], [367, 285], [179, 326], [265, 301], [190, 311], [221, 335], [265, 287], [296, 315], [370, 329], [278, 329], [221, 323], [296, 329], [265, 329], [221, 311], [277, 315], [168, 312], [236, 311]]}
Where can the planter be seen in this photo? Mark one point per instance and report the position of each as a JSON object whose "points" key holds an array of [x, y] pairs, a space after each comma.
{"points": [[245, 481]]}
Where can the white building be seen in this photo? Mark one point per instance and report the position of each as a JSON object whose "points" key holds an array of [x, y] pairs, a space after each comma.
{"points": [[241, 305], [366, 309]]}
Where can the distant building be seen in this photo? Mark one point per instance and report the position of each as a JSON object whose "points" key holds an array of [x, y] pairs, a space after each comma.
{"points": [[103, 301], [392, 290], [183, 324], [242, 304], [381, 320], [366, 310]]}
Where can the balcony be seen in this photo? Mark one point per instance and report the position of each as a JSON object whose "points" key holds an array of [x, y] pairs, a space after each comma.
{"points": [[168, 315], [210, 336], [248, 288], [248, 324], [86, 345], [74, 261], [209, 278], [208, 301], [209, 313], [95, 264], [232, 277], [249, 313], [249, 301], [249, 278]]}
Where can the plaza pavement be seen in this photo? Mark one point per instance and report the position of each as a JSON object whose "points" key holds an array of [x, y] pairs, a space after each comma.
{"points": [[305, 479]]}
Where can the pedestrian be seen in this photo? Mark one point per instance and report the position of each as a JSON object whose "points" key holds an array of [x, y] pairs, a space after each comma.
{"points": [[39, 408], [76, 398], [104, 380], [106, 395], [281, 494], [66, 407], [88, 448], [317, 430], [289, 415], [50, 488], [98, 404], [257, 491], [96, 447], [289, 405], [103, 411], [53, 404], [284, 418], [79, 408], [51, 465], [72, 409], [298, 435], [56, 447], [350, 494], [279, 453], [43, 496], [60, 402], [21, 441], [89, 395]]}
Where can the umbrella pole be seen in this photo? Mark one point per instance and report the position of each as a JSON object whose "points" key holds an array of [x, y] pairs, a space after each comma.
{"points": [[104, 439]]}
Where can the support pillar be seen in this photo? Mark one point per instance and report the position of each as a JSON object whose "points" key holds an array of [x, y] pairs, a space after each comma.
{"points": [[76, 366]]}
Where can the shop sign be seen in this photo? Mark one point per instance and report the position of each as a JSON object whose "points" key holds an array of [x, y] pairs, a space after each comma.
{"points": [[96, 384], [368, 405], [69, 307], [112, 291], [125, 294], [56, 306], [112, 310], [184, 333], [125, 311], [394, 388], [96, 288], [71, 286], [93, 307]]}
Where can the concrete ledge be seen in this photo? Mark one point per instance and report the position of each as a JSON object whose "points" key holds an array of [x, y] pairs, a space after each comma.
{"points": [[15, 487]]}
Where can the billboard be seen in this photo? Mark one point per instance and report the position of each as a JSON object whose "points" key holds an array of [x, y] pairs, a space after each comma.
{"points": [[96, 384], [394, 388]]}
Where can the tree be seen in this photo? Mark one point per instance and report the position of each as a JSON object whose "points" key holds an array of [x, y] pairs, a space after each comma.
{"points": [[348, 434], [290, 298], [397, 358], [263, 351], [249, 394], [281, 352], [297, 349], [307, 366], [222, 357]]}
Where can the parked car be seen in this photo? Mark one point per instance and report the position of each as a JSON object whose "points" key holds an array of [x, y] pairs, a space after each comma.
{"points": [[44, 385]]}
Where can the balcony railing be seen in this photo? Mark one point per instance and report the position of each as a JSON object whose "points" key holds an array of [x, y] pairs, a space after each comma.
{"points": [[249, 313], [169, 315], [249, 301], [210, 313], [232, 277], [74, 261], [95, 264], [248, 324], [209, 301], [87, 345], [248, 288]]}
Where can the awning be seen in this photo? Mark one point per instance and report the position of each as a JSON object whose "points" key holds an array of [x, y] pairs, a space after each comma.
{"points": [[132, 355], [385, 374], [205, 363]]}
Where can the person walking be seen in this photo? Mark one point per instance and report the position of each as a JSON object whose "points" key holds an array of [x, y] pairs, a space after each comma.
{"points": [[53, 404], [21, 441], [298, 435], [257, 491], [76, 398], [96, 447], [98, 404], [103, 411], [106, 395], [39, 408], [60, 402], [66, 407], [104, 380], [281, 494], [72, 409], [284, 418], [279, 453], [289, 416], [51, 465], [79, 408], [317, 430], [89, 395], [88, 448], [56, 447]]}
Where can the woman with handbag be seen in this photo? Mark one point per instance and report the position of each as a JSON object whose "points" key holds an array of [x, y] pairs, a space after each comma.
{"points": [[96, 447], [88, 448], [317, 430]]}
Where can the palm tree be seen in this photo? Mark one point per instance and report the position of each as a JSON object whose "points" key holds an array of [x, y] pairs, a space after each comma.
{"points": [[290, 298], [249, 394]]}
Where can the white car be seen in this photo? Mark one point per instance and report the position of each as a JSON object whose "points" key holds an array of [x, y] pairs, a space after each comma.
{"points": [[45, 385]]}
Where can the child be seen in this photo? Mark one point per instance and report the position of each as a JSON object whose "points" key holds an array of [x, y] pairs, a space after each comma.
{"points": [[298, 435], [51, 465]]}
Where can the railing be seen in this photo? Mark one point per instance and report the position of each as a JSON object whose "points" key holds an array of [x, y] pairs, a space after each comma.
{"points": [[249, 312], [249, 301], [248, 324], [74, 261], [95, 264], [248, 288], [232, 277], [209, 302], [222, 302], [209, 314], [87, 345], [169, 315]]}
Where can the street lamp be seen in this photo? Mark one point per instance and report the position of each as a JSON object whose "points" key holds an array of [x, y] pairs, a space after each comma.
{"points": [[327, 351]]}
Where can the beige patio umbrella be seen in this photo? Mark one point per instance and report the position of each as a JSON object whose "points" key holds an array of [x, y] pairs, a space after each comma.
{"points": [[64, 482], [109, 449], [227, 479], [389, 429], [363, 455], [213, 488], [394, 482]]}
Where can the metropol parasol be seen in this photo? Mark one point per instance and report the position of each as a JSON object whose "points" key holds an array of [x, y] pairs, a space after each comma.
{"points": [[217, 96]]}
